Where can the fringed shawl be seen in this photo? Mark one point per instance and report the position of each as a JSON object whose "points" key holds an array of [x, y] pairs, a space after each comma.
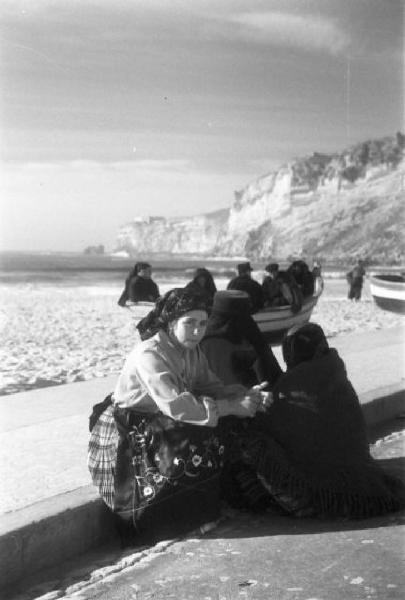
{"points": [[318, 446]]}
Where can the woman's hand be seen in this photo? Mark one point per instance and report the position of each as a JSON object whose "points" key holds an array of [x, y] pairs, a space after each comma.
{"points": [[247, 402], [247, 405], [266, 398]]}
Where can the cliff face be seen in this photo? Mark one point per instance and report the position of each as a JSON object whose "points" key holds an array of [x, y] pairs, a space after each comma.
{"points": [[335, 206], [192, 235]]}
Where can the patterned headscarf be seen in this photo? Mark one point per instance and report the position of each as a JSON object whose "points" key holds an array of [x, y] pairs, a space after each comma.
{"points": [[303, 343], [174, 304]]}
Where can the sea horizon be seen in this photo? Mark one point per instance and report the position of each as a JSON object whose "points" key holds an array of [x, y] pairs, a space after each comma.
{"points": [[54, 260]]}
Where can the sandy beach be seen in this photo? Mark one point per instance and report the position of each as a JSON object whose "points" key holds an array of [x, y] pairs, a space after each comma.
{"points": [[54, 335]]}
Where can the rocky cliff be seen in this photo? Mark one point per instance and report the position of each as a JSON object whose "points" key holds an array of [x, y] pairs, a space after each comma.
{"points": [[333, 206]]}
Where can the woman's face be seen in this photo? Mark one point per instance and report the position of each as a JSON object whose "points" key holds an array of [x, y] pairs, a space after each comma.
{"points": [[189, 329]]}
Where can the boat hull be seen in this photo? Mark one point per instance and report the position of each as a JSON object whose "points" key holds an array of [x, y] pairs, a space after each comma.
{"points": [[275, 323], [388, 292]]}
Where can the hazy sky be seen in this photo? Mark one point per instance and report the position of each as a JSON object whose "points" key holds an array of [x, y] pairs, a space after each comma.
{"points": [[112, 109]]}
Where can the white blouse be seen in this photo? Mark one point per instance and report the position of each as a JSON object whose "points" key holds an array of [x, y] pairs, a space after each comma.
{"points": [[159, 375]]}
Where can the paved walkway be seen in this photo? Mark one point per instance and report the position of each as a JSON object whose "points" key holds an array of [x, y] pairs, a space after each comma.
{"points": [[49, 512], [248, 557], [44, 432]]}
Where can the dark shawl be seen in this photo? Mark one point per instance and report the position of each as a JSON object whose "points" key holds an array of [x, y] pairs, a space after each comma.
{"points": [[245, 283], [209, 285], [239, 328], [321, 448]]}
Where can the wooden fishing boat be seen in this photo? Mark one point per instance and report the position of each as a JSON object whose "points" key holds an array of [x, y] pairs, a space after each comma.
{"points": [[273, 322], [276, 321], [388, 292]]}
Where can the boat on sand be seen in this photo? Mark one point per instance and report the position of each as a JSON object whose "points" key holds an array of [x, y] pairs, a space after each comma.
{"points": [[388, 292], [273, 322]]}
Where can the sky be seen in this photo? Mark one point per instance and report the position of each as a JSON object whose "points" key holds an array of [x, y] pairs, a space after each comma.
{"points": [[113, 109]]}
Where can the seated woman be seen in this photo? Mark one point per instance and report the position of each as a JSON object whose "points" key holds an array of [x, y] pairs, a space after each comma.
{"points": [[312, 454], [155, 450], [303, 276], [281, 289], [139, 285], [271, 285], [238, 353], [202, 283], [234, 345]]}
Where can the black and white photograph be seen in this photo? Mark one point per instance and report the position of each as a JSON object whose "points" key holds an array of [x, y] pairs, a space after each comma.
{"points": [[202, 299]]}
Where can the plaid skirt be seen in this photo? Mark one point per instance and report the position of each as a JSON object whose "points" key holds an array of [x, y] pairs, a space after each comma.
{"points": [[102, 454]]}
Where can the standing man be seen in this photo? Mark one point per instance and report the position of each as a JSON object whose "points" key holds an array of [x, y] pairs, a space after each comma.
{"points": [[355, 279], [245, 283]]}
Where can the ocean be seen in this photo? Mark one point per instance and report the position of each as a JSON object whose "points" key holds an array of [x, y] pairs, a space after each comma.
{"points": [[75, 269], [108, 271]]}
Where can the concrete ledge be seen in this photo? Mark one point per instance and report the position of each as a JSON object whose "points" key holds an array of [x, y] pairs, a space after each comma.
{"points": [[48, 532], [51, 531], [383, 404]]}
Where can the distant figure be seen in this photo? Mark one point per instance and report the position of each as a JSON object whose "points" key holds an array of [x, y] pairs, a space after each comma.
{"points": [[271, 286], [203, 282], [303, 276], [245, 283], [139, 286], [317, 276], [316, 269], [281, 289], [355, 279]]}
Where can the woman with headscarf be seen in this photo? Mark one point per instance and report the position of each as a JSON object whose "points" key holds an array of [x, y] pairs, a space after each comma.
{"points": [[155, 450], [202, 283], [234, 345], [238, 353], [312, 454], [139, 285], [300, 272]]}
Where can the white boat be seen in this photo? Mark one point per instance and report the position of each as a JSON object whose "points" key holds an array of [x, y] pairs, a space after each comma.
{"points": [[388, 292], [273, 322], [276, 321]]}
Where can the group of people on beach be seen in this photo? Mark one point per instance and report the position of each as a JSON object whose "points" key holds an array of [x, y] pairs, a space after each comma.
{"points": [[203, 415], [279, 287]]}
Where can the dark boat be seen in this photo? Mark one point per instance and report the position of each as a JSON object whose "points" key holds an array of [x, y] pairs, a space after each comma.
{"points": [[388, 292]]}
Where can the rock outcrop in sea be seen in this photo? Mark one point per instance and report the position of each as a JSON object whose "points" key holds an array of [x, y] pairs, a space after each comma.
{"points": [[337, 206]]}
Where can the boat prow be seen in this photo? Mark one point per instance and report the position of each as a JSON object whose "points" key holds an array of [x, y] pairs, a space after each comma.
{"points": [[388, 292]]}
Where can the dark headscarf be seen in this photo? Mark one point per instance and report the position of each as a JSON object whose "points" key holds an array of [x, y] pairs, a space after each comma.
{"points": [[209, 284], [304, 343], [140, 266], [231, 320], [229, 317], [174, 304]]}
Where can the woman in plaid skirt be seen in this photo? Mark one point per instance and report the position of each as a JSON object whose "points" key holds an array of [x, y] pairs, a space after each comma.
{"points": [[157, 443]]}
